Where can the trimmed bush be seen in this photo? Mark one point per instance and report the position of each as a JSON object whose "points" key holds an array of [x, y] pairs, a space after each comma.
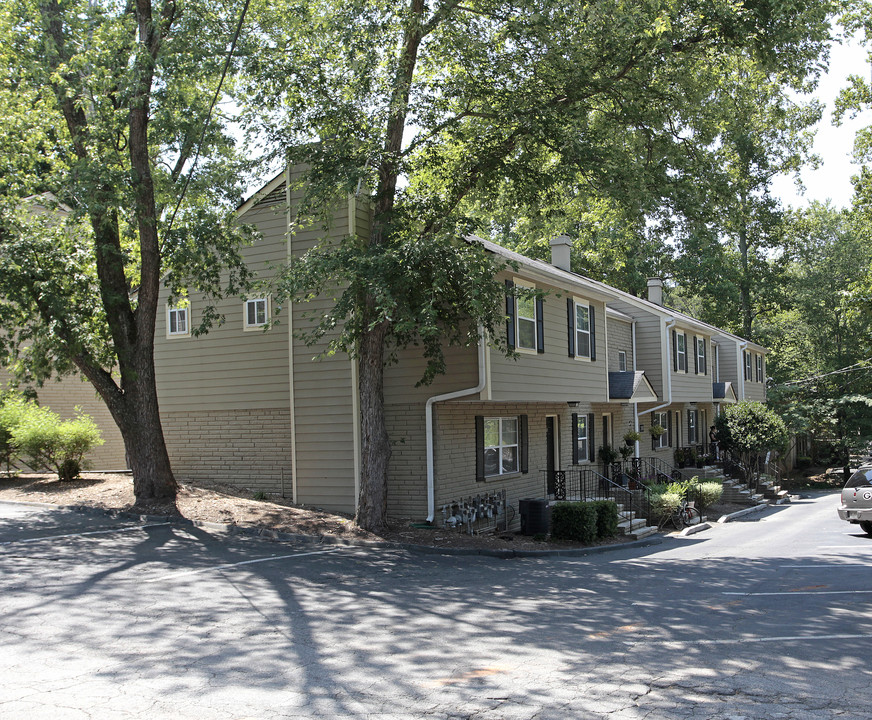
{"points": [[575, 521], [45, 441], [803, 462], [606, 518], [708, 493]]}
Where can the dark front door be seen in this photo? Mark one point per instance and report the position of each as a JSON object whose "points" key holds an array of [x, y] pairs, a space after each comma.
{"points": [[550, 460]]}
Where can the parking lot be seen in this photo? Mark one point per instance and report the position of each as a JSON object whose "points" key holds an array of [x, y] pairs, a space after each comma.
{"points": [[111, 618]]}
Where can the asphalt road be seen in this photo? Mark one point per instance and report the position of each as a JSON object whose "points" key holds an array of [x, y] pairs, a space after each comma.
{"points": [[770, 617]]}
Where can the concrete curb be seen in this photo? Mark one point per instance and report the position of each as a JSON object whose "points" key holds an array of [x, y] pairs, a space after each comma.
{"points": [[268, 533], [742, 513], [693, 529]]}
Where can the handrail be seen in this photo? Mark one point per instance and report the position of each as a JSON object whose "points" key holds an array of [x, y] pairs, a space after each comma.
{"points": [[586, 484]]}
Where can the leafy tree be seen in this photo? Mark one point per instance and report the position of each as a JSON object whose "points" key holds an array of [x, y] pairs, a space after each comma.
{"points": [[441, 107], [105, 119], [749, 429]]}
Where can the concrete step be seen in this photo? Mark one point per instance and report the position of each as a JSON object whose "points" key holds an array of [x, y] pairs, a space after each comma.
{"points": [[643, 532], [629, 526]]}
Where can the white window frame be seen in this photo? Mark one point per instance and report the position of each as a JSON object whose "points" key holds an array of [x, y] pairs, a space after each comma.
{"points": [[681, 351], [581, 332], [622, 361], [175, 312], [700, 356], [532, 320], [748, 367], [759, 377], [254, 302], [502, 445], [661, 419]]}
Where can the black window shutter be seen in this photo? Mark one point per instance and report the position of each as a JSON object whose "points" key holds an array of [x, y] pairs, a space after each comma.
{"points": [[674, 351], [591, 453], [510, 315], [522, 443], [540, 325], [685, 353], [690, 440], [479, 448], [695, 355], [669, 428], [575, 457], [592, 333], [570, 325], [654, 440]]}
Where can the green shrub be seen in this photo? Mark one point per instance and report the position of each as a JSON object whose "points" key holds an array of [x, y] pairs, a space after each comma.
{"points": [[48, 443], [803, 462], [708, 493], [576, 521], [13, 409], [606, 518]]}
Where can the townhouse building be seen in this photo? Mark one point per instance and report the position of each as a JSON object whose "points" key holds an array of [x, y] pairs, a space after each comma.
{"points": [[251, 404]]}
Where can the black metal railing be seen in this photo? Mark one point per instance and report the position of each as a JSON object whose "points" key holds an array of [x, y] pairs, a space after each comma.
{"points": [[586, 484]]}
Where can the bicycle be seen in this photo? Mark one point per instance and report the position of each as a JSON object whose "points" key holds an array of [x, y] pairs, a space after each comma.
{"points": [[685, 515]]}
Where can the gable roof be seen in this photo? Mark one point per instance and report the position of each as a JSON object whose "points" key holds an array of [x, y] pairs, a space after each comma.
{"points": [[631, 387]]}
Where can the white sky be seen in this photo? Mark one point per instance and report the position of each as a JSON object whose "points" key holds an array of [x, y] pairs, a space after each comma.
{"points": [[832, 180]]}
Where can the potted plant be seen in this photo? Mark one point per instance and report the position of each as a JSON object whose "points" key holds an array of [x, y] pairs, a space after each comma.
{"points": [[657, 430], [626, 452], [680, 457], [607, 455], [631, 437]]}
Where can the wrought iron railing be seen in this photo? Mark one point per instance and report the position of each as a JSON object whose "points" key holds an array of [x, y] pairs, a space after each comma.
{"points": [[585, 484]]}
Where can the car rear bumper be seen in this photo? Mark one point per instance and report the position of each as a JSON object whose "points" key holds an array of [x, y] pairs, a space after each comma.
{"points": [[855, 516]]}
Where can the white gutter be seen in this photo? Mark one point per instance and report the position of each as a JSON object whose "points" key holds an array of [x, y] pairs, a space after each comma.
{"points": [[428, 422], [668, 378]]}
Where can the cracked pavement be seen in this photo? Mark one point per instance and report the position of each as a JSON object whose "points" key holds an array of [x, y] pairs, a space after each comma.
{"points": [[764, 619]]}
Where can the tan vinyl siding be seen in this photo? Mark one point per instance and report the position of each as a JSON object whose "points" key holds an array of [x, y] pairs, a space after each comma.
{"points": [[553, 376], [650, 353], [401, 378], [690, 386], [620, 339], [730, 369], [63, 396]]}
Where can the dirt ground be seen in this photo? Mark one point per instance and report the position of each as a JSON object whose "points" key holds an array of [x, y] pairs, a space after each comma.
{"points": [[234, 506]]}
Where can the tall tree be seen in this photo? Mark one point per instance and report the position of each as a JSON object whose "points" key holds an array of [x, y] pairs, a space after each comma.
{"points": [[435, 103], [105, 109]]}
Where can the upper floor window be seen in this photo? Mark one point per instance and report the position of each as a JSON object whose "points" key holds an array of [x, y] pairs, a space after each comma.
{"points": [[760, 377], [679, 350], [747, 366], [177, 320], [525, 329], [622, 361], [256, 312], [581, 324], [700, 354]]}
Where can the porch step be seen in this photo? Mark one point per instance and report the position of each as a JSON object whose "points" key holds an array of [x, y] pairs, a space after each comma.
{"points": [[642, 532], [629, 526]]}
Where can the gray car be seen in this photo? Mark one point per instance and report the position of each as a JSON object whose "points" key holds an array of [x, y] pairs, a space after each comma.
{"points": [[857, 500]]}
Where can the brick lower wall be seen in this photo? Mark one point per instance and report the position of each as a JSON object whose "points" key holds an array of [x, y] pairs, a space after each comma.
{"points": [[245, 448]]}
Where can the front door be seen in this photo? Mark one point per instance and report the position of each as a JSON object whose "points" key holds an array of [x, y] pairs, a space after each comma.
{"points": [[550, 454]]}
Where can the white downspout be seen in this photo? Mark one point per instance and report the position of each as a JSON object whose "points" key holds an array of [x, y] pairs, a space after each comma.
{"points": [[668, 383], [636, 448], [428, 422]]}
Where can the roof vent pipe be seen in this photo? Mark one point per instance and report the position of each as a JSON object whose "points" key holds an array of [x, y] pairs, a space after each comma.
{"points": [[560, 251], [655, 290]]}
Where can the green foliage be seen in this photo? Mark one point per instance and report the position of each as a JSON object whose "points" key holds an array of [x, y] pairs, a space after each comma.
{"points": [[606, 518], [47, 442], [665, 499], [748, 429], [707, 494], [574, 521]]}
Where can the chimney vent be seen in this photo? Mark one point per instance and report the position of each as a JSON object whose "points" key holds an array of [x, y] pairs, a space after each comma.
{"points": [[655, 290], [560, 251]]}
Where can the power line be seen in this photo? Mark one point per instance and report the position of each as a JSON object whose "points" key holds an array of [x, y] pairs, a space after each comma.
{"points": [[851, 368]]}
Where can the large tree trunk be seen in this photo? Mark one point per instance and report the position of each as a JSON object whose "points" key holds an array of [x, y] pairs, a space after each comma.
{"points": [[375, 445]]}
